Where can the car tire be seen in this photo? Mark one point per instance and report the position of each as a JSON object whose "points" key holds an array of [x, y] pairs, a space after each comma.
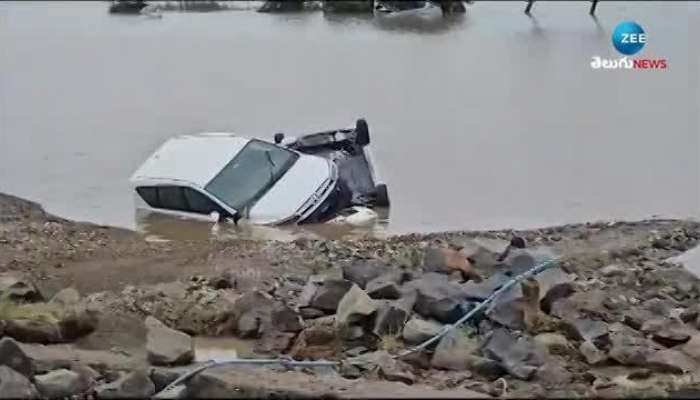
{"points": [[381, 195], [361, 132]]}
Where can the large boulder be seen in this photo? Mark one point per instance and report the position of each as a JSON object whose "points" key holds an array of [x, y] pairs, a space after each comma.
{"points": [[12, 356], [14, 385], [17, 287], [166, 346], [438, 298], [418, 330], [386, 286], [60, 383], [354, 308], [136, 384], [391, 316], [668, 332], [520, 356], [329, 294]]}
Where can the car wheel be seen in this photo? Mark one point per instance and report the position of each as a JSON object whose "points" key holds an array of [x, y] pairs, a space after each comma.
{"points": [[361, 132], [381, 195]]}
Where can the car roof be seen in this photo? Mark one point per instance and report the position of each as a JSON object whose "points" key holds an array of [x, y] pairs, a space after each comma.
{"points": [[194, 159]]}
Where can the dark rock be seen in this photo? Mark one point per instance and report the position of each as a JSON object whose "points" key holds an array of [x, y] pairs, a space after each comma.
{"points": [[589, 330], [362, 273], [285, 319], [392, 316], [690, 314], [592, 354], [33, 331], [671, 360], [136, 384], [521, 260], [274, 342], [554, 343], [509, 314], [162, 377], [16, 287], [330, 293], [14, 385], [640, 374], [385, 286], [59, 384], [12, 356], [481, 290], [454, 350], [387, 367], [167, 346], [418, 330], [417, 359], [77, 323], [438, 298], [485, 367], [692, 347], [519, 356], [666, 331], [553, 374], [311, 313], [349, 371]]}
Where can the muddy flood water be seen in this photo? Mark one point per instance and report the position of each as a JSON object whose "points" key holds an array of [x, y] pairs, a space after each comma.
{"points": [[489, 120]]}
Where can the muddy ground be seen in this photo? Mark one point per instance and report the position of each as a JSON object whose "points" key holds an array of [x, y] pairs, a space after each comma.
{"points": [[192, 285]]}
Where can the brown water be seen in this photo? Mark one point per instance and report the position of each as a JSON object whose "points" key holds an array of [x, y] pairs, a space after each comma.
{"points": [[488, 121]]}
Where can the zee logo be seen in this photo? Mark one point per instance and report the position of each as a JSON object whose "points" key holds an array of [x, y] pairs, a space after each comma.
{"points": [[629, 38]]}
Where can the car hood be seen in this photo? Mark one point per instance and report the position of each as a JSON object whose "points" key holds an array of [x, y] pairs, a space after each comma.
{"points": [[291, 191]]}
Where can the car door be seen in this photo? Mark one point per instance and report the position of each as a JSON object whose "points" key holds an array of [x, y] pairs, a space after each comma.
{"points": [[180, 199]]}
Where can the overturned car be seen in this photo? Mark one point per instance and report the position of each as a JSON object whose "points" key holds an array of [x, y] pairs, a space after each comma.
{"points": [[319, 177]]}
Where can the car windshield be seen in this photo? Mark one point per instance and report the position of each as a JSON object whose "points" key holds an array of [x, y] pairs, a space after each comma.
{"points": [[250, 174]]}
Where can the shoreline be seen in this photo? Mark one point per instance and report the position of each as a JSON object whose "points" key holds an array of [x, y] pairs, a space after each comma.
{"points": [[618, 269]]}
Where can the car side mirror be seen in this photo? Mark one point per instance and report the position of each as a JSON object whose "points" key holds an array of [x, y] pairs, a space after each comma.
{"points": [[279, 137]]}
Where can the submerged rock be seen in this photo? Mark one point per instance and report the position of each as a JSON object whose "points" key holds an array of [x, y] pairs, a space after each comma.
{"points": [[167, 346]]}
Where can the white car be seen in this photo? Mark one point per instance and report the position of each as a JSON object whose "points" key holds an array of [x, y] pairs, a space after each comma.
{"points": [[313, 178]]}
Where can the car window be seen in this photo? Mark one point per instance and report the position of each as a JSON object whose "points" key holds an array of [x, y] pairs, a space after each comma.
{"points": [[201, 204], [172, 198], [250, 174], [149, 195]]}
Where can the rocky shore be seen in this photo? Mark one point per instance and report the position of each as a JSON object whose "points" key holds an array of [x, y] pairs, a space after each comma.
{"points": [[98, 312]]}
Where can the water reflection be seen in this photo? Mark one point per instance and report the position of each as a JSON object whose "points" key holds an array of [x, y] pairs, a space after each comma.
{"points": [[164, 227]]}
